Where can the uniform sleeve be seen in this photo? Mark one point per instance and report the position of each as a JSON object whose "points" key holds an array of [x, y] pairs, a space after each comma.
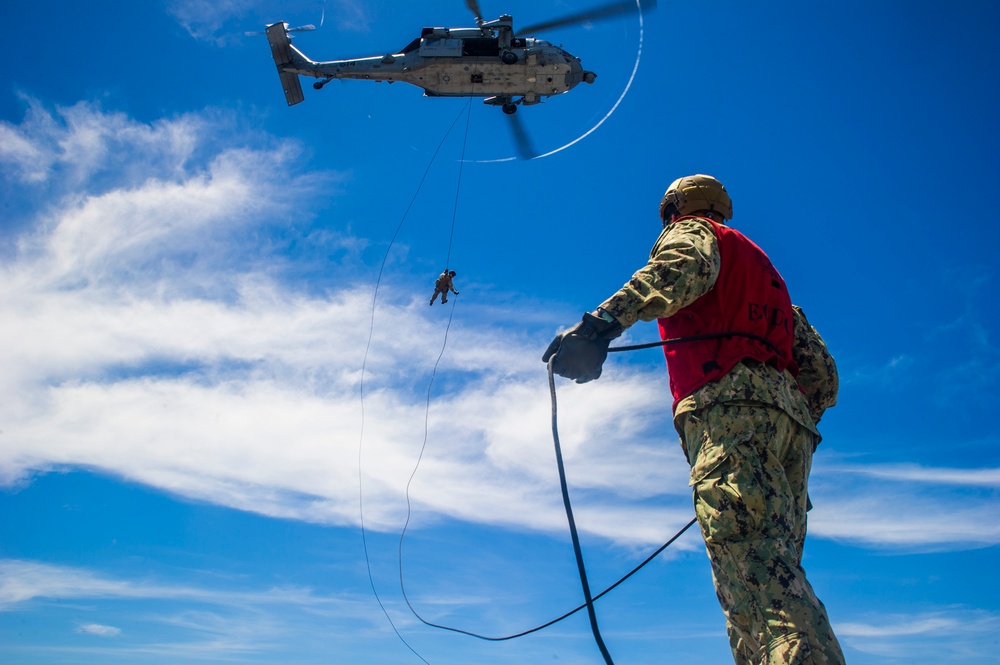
{"points": [[683, 266], [817, 369]]}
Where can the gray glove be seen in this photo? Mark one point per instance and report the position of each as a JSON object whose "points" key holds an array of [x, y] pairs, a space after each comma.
{"points": [[580, 352]]}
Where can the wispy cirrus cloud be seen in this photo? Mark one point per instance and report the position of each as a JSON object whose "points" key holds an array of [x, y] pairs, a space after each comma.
{"points": [[226, 22], [22, 581], [190, 622], [905, 506], [924, 474], [891, 372], [99, 630], [919, 637]]}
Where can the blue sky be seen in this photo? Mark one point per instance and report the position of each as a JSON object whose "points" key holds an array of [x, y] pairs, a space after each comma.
{"points": [[188, 271]]}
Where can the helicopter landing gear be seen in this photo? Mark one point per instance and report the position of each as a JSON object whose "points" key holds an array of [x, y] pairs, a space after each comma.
{"points": [[318, 85], [508, 58], [506, 103]]}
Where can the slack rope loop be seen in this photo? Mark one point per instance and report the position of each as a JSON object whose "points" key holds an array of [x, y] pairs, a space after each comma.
{"points": [[555, 434], [562, 616]]}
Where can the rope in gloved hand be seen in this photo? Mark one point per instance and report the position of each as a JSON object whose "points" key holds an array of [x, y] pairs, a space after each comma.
{"points": [[588, 600]]}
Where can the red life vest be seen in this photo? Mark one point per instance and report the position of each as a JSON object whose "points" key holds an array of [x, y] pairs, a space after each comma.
{"points": [[749, 297]]}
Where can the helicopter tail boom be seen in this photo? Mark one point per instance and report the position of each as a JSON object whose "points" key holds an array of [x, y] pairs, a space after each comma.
{"points": [[285, 54]]}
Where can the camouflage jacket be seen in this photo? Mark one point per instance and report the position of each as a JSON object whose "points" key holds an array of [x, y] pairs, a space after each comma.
{"points": [[444, 283], [684, 265]]}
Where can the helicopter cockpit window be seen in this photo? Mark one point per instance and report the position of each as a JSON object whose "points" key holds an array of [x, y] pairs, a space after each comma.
{"points": [[431, 47], [481, 47]]}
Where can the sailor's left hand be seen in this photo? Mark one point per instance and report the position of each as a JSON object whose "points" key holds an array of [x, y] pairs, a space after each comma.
{"points": [[579, 353]]}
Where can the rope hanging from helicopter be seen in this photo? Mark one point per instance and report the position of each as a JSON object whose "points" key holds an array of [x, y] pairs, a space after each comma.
{"points": [[589, 600], [458, 190], [364, 363]]}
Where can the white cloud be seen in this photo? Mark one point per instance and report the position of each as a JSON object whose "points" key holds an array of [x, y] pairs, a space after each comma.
{"points": [[904, 506], [917, 473], [351, 15], [944, 634], [23, 581], [192, 623], [24, 158], [98, 629], [142, 337], [73, 145], [206, 19], [225, 21], [900, 627], [147, 332], [886, 376]]}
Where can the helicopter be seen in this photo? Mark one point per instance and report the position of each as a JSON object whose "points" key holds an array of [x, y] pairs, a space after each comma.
{"points": [[490, 60]]}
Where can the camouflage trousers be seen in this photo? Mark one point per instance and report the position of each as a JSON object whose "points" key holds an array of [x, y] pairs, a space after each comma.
{"points": [[749, 473]]}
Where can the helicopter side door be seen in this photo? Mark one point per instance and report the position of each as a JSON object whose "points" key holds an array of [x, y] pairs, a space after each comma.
{"points": [[481, 47]]}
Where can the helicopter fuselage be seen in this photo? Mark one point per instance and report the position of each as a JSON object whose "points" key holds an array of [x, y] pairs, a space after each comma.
{"points": [[451, 62]]}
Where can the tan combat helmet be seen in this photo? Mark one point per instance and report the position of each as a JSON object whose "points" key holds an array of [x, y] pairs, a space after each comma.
{"points": [[692, 193]]}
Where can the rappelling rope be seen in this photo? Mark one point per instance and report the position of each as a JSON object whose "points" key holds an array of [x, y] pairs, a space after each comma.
{"points": [[364, 363], [430, 383], [458, 189]]}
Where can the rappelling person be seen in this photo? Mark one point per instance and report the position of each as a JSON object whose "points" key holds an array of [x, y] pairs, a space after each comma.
{"points": [[748, 390], [443, 285]]}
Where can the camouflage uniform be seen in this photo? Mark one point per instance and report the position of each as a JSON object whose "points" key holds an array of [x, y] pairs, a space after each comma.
{"points": [[749, 438], [442, 285]]}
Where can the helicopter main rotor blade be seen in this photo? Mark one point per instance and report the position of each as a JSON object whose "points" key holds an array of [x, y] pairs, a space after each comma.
{"points": [[617, 8], [521, 139], [473, 6]]}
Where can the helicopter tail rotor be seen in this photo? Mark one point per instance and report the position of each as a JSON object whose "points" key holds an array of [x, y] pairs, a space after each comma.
{"points": [[308, 27]]}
